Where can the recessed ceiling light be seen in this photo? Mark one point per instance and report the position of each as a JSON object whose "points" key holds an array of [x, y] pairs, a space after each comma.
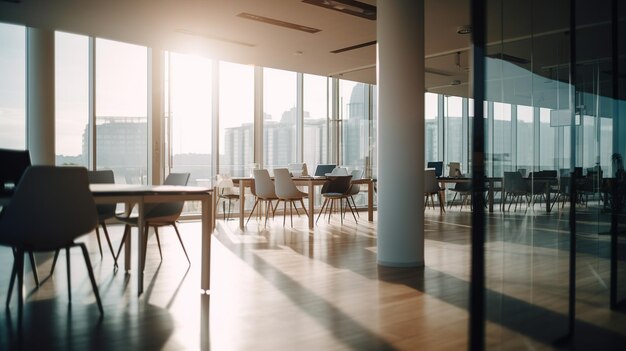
{"points": [[466, 29]]}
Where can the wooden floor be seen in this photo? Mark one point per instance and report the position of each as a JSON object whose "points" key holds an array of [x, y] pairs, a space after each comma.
{"points": [[282, 288]]}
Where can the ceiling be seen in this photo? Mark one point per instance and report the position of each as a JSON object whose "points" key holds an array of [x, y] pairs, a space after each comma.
{"points": [[212, 28]]}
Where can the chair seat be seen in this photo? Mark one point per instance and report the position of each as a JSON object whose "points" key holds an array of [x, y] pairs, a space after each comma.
{"points": [[229, 196], [333, 195]]}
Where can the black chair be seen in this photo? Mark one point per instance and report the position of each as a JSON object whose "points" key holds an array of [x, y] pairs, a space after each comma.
{"points": [[13, 163], [336, 188], [464, 190], [515, 186], [105, 211], [34, 220]]}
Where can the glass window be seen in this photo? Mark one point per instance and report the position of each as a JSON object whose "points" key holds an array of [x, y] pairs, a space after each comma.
{"points": [[525, 138], [502, 146], [355, 119], [431, 131], [12, 87], [315, 101], [236, 119], [453, 130], [190, 109], [72, 99], [121, 110], [279, 117], [547, 142]]}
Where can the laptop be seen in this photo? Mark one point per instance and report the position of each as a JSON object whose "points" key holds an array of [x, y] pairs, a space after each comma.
{"points": [[438, 166], [321, 170]]}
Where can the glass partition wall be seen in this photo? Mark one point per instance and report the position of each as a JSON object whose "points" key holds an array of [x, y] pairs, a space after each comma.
{"points": [[554, 138]]}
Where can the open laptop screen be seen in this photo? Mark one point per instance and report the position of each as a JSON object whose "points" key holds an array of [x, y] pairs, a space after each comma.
{"points": [[321, 170], [438, 166]]}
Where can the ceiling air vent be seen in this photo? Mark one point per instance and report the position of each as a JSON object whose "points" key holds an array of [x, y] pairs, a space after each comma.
{"points": [[353, 47], [279, 23], [350, 7]]}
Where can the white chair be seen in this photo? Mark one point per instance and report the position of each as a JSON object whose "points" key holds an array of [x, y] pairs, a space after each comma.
{"points": [[339, 171], [431, 187], [225, 191], [265, 192], [286, 190], [34, 220]]}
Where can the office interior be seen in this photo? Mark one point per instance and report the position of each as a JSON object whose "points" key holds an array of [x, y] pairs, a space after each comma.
{"points": [[213, 87]]}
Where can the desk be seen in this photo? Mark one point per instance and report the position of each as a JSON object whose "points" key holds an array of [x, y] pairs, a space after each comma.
{"points": [[310, 183], [143, 194]]}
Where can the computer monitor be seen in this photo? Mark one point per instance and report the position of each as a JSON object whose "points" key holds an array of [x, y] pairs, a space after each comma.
{"points": [[321, 170], [438, 166], [13, 163]]}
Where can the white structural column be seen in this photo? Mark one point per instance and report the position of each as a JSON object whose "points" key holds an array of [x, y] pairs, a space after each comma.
{"points": [[40, 95], [400, 31]]}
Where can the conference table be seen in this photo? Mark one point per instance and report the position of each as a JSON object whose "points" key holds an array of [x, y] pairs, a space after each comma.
{"points": [[310, 183], [140, 195]]}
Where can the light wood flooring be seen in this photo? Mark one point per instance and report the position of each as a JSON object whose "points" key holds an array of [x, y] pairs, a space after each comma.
{"points": [[283, 288]]}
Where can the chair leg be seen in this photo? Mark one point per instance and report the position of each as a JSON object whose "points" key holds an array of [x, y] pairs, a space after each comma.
{"points": [[251, 212], [156, 233], [99, 243], [19, 260], [12, 280], [341, 211], [354, 205], [304, 208], [106, 236], [296, 207], [321, 210], [126, 233], [181, 243], [33, 266], [291, 212], [69, 274], [268, 208], [94, 286], [54, 261], [351, 210]]}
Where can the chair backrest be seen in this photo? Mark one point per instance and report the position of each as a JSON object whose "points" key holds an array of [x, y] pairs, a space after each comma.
{"points": [[295, 169], [103, 177], [263, 184], [514, 182], [337, 184], [339, 171], [225, 185], [321, 170], [51, 207], [168, 209], [357, 174], [13, 163], [431, 185], [285, 186]]}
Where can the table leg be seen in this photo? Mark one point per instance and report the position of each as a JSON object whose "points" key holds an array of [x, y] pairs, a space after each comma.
{"points": [[311, 203], [242, 203], [490, 195], [207, 228], [548, 209], [140, 248], [127, 248], [370, 200]]}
